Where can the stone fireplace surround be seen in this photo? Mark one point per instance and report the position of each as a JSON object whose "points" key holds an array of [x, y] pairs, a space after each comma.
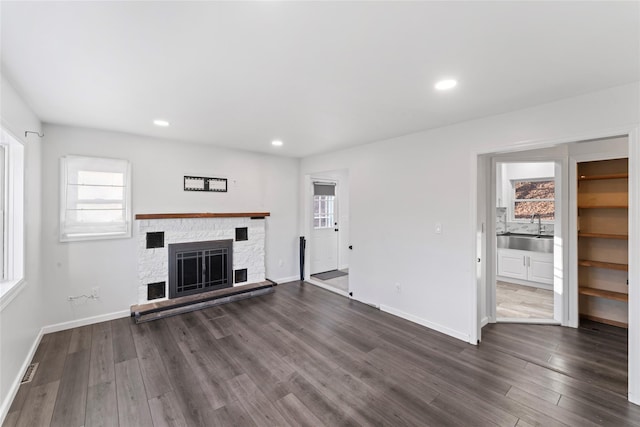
{"points": [[153, 264]]}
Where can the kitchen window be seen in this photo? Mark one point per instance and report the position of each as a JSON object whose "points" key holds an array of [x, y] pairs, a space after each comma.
{"points": [[534, 197], [95, 198]]}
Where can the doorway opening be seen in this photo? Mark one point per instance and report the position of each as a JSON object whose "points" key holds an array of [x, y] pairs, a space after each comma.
{"points": [[593, 242], [327, 224], [525, 222], [603, 235]]}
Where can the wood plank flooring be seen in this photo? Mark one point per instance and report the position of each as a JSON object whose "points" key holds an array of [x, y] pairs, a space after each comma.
{"points": [[303, 356], [518, 301]]}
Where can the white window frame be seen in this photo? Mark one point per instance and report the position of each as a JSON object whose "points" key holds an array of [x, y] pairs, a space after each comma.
{"points": [[329, 216], [12, 201], [512, 204], [95, 231]]}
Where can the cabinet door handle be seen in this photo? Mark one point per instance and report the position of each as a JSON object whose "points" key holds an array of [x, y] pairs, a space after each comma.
{"points": [[524, 261]]}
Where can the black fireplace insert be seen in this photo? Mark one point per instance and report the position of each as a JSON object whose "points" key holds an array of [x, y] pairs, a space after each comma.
{"points": [[197, 267]]}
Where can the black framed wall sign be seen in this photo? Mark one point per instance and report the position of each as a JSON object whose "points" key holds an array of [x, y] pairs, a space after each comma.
{"points": [[202, 183]]}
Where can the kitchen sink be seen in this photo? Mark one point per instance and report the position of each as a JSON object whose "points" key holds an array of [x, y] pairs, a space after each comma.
{"points": [[525, 242]]}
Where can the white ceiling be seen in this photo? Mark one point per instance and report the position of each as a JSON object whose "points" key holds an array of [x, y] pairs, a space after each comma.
{"points": [[317, 75]]}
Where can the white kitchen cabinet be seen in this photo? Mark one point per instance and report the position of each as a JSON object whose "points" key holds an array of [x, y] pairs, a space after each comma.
{"points": [[526, 265], [540, 267], [512, 263]]}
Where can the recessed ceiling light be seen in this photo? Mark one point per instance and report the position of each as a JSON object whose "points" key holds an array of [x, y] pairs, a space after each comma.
{"points": [[162, 123], [276, 143], [446, 84]]}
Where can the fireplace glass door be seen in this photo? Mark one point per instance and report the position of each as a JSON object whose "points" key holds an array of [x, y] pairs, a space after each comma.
{"points": [[199, 267]]}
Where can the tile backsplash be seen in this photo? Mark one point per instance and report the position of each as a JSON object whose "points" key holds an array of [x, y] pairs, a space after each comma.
{"points": [[519, 227]]}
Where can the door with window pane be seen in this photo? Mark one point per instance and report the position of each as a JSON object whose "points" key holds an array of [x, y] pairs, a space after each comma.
{"points": [[324, 241]]}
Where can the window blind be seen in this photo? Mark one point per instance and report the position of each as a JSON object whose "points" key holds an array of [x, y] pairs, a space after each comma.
{"points": [[95, 198], [324, 189]]}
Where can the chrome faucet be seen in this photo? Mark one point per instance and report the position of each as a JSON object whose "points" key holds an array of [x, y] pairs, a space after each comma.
{"points": [[533, 217]]}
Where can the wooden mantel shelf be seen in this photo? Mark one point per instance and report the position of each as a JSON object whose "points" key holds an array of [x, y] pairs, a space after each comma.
{"points": [[204, 215]]}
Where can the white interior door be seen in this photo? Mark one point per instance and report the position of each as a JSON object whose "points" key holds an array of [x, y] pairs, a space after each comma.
{"points": [[324, 240]]}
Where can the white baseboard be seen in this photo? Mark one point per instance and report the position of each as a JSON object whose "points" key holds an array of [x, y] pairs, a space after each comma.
{"points": [[369, 303], [86, 321], [527, 321], [8, 400], [431, 325], [484, 322], [286, 279]]}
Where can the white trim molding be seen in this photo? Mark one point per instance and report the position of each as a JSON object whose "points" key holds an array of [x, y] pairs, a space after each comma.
{"points": [[634, 266], [12, 291], [427, 323], [521, 320], [57, 327]]}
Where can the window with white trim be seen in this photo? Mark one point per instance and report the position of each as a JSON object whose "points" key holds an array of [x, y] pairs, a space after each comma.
{"points": [[95, 198], [534, 196], [324, 195], [323, 211], [11, 215]]}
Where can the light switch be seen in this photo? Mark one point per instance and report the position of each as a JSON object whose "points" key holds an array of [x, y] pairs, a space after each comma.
{"points": [[438, 228]]}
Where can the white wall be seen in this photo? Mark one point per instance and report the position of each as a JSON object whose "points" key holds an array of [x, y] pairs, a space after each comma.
{"points": [[400, 188], [529, 170], [257, 183], [21, 319]]}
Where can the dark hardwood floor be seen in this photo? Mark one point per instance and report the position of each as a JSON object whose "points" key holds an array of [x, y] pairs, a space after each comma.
{"points": [[303, 356]]}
